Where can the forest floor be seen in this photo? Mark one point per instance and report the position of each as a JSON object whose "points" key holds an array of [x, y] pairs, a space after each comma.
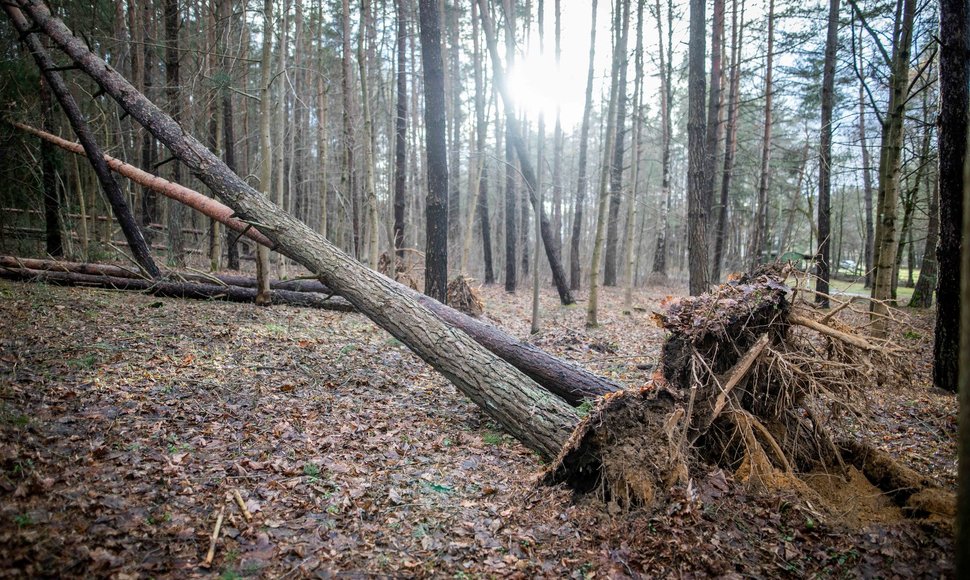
{"points": [[127, 422]]}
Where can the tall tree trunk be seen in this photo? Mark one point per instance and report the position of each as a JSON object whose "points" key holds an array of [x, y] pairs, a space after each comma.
{"points": [[659, 268], [889, 160], [481, 127], [619, 148], [400, 138], [137, 244], [436, 209], [149, 200], [825, 157], [867, 190], [540, 420], [263, 294], [731, 138], [603, 197], [173, 89], [952, 138], [631, 212], [370, 191], [696, 211], [525, 164], [582, 181], [714, 98], [453, 24], [558, 142], [759, 232], [52, 202], [926, 284], [322, 122], [540, 163], [348, 175]]}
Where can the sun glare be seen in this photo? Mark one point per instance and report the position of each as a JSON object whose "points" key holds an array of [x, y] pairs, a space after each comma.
{"points": [[538, 86]]}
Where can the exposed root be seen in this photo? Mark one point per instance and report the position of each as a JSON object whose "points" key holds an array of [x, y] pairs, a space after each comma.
{"points": [[752, 385]]}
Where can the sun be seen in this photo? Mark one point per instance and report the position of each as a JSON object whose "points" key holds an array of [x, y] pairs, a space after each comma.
{"points": [[538, 86]]}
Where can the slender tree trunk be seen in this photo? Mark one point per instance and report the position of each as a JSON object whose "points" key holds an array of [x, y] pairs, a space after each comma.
{"points": [[889, 160], [542, 421], [867, 190], [952, 138], [825, 157], [436, 209], [631, 212], [52, 202], [347, 177], [370, 191], [173, 89], [926, 284], [619, 148], [481, 128], [453, 24], [665, 53], [263, 294], [603, 198], [714, 98], [540, 163], [558, 142], [149, 200], [759, 232], [112, 191], [696, 211], [582, 181], [400, 139]]}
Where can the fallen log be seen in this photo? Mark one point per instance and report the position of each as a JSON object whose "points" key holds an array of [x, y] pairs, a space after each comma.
{"points": [[563, 378], [193, 290]]}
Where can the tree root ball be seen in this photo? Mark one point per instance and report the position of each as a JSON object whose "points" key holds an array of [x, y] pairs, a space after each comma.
{"points": [[628, 450]]}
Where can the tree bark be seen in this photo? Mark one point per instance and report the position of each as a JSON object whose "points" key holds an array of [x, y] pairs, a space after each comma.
{"points": [[759, 232], [952, 136], [659, 268], [631, 213], [731, 139], [582, 181], [619, 149], [52, 203], [889, 160], [696, 211], [436, 209], [714, 98], [116, 198], [263, 296], [926, 284], [825, 158], [400, 139], [173, 89], [540, 420]]}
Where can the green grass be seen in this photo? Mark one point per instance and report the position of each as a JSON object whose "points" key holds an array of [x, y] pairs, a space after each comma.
{"points": [[857, 286]]}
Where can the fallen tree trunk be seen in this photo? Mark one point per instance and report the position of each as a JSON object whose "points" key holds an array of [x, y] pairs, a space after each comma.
{"points": [[194, 290], [206, 205], [540, 420], [569, 381]]}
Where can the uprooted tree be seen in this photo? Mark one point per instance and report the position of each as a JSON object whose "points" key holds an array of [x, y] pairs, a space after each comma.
{"points": [[749, 381]]}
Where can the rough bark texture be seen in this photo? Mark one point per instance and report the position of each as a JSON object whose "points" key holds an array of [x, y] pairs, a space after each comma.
{"points": [[52, 203], [889, 162], [619, 150], [954, 99], [731, 138], [436, 208], [540, 420], [759, 233], [825, 157], [136, 242], [400, 138], [659, 268], [926, 284], [696, 211], [173, 22]]}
